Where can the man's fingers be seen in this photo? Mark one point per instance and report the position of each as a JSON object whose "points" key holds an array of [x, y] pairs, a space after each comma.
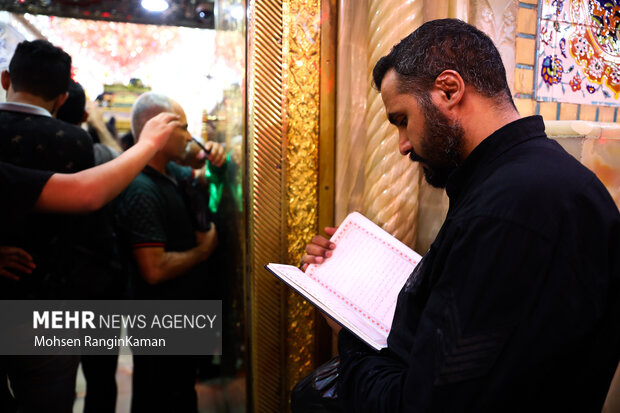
{"points": [[169, 116], [217, 155], [172, 124], [312, 259], [17, 259], [15, 251], [330, 230], [7, 274], [213, 229], [19, 266], [323, 242], [213, 233], [166, 117], [165, 121], [163, 118], [318, 251], [24, 257], [158, 129]]}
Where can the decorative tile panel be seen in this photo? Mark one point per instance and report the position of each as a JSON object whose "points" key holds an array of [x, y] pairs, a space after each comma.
{"points": [[578, 52]]}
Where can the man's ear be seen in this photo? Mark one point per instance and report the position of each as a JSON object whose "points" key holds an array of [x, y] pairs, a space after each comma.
{"points": [[449, 87], [6, 80]]}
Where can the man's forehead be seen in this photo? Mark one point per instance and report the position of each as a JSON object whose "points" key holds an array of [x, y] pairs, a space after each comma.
{"points": [[182, 117], [389, 89], [390, 80]]}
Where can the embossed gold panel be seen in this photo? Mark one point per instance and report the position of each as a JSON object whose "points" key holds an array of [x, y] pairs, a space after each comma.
{"points": [[302, 34], [285, 94]]}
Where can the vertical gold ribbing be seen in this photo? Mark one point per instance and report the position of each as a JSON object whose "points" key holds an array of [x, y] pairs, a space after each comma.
{"points": [[285, 83], [266, 196]]}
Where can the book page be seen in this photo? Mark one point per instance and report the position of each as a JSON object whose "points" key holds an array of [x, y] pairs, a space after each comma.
{"points": [[366, 270], [359, 284], [327, 302]]}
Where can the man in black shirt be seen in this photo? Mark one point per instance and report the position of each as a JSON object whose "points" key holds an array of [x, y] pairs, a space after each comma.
{"points": [[31, 137], [36, 85], [515, 307], [28, 190]]}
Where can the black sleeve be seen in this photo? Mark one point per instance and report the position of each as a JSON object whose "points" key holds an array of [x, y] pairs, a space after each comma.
{"points": [[488, 286], [19, 188]]}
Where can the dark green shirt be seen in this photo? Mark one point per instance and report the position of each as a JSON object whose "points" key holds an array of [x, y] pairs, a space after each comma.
{"points": [[152, 213]]}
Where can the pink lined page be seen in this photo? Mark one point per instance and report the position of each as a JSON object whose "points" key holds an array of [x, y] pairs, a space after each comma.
{"points": [[378, 265]]}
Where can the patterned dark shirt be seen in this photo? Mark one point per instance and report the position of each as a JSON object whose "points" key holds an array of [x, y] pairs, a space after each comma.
{"points": [[153, 213], [42, 142], [516, 306]]}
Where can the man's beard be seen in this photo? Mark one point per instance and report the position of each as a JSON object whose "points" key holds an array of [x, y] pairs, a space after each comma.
{"points": [[441, 143]]}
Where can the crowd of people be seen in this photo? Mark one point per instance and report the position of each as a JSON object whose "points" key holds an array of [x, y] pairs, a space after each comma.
{"points": [[83, 220]]}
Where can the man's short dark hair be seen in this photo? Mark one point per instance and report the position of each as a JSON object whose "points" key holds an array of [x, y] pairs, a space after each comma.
{"points": [[72, 111], [446, 44], [40, 68]]}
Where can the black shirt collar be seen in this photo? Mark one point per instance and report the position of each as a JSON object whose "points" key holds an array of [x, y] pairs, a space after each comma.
{"points": [[506, 137]]}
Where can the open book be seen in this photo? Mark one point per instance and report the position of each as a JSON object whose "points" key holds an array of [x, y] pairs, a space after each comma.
{"points": [[359, 284]]}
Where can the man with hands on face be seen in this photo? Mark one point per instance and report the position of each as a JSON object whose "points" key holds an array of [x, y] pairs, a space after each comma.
{"points": [[167, 253], [516, 305], [148, 199]]}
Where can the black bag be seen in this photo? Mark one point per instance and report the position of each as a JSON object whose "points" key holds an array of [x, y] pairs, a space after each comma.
{"points": [[318, 392]]}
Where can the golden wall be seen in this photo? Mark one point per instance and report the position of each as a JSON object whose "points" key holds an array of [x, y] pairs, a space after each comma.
{"points": [[290, 96]]}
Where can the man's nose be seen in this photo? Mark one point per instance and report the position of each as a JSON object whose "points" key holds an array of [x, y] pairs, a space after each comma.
{"points": [[404, 146]]}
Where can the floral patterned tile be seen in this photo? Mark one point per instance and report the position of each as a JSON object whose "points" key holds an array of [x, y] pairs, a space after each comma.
{"points": [[565, 11], [582, 12], [577, 63]]}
